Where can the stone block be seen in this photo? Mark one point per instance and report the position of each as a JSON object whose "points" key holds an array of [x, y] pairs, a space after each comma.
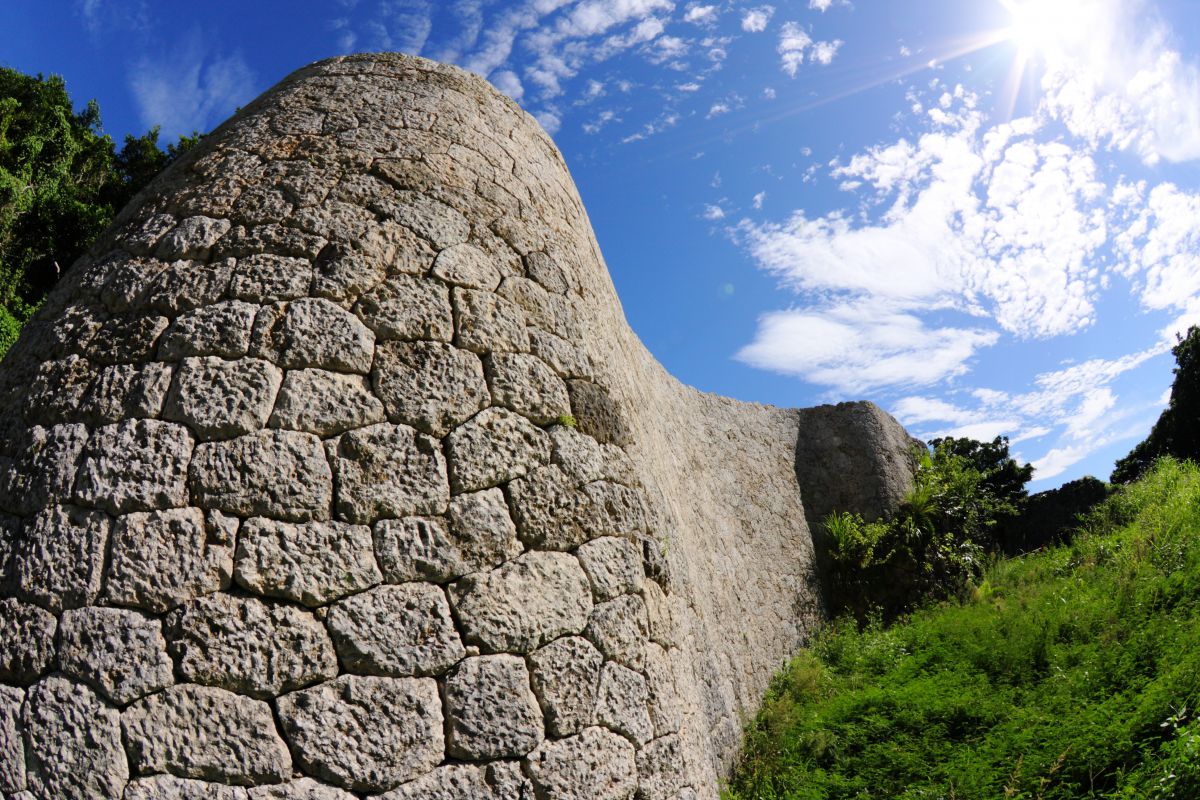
{"points": [[493, 448], [221, 399], [437, 222], [661, 767], [168, 787], [613, 565], [388, 471], [490, 710], [74, 750], [598, 414], [48, 470], [500, 780], [222, 329], [193, 237], [60, 560], [268, 278], [524, 603], [524, 384], [565, 358], [163, 559], [409, 308], [468, 266], [137, 465], [621, 703], [27, 649], [662, 693], [120, 653], [395, 631], [417, 549], [313, 563], [127, 390], [126, 339], [299, 789], [12, 741], [486, 323], [325, 403], [566, 679], [593, 765], [344, 271], [278, 474], [187, 285], [482, 530], [620, 629], [429, 385], [365, 734], [315, 333], [57, 390]]}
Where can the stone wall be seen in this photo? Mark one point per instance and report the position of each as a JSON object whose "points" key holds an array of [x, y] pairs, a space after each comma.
{"points": [[334, 471]]}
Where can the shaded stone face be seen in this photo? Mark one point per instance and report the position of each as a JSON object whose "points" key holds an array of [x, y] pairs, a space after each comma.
{"points": [[337, 472]]}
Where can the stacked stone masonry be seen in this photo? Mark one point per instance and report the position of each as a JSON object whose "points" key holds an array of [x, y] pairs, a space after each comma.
{"points": [[334, 471]]}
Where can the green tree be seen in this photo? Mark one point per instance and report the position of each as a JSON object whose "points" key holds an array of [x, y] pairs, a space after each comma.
{"points": [[1177, 431]]}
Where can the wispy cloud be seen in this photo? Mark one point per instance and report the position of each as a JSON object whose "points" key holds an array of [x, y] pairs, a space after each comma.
{"points": [[755, 20]]}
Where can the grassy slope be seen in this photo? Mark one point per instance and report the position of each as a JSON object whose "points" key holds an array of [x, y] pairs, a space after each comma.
{"points": [[1074, 673]]}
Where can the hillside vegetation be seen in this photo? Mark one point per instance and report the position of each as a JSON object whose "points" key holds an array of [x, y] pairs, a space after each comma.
{"points": [[1069, 673]]}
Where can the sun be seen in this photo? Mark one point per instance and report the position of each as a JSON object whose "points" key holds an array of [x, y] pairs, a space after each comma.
{"points": [[1042, 27]]}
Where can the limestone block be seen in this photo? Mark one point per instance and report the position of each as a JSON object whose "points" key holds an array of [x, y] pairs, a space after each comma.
{"points": [[168, 787], [138, 465], [542, 268], [58, 389], [193, 237], [59, 562], [248, 646], [300, 789], [482, 529], [660, 767], [49, 466], [396, 631], [388, 471], [242, 241], [524, 384], [141, 239], [429, 385], [621, 703], [187, 285], [74, 750], [432, 220], [538, 304], [343, 272], [313, 563], [500, 780], [549, 511], [26, 641], [598, 414], [207, 733], [163, 559], [578, 455], [127, 390], [120, 653], [313, 332], [127, 282], [126, 339], [278, 474], [613, 565], [566, 678], [259, 205], [495, 447], [221, 399], [12, 741], [491, 711], [417, 548], [269, 278], [466, 265], [658, 614], [593, 765], [620, 629], [365, 733], [222, 329], [325, 403], [485, 323], [524, 603], [410, 308], [662, 693], [567, 359]]}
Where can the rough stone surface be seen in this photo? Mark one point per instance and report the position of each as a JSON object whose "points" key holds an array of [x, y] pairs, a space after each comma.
{"points": [[140, 465], [278, 474], [524, 384], [408, 308], [222, 329], [202, 732], [12, 741], [315, 333], [396, 631], [60, 558], [120, 653], [417, 548], [127, 391], [614, 566], [565, 678], [429, 385], [364, 733], [26, 641], [221, 399], [168, 787], [74, 743], [388, 471], [621, 703], [302, 789], [620, 629], [466, 265], [491, 711], [493, 448], [313, 563], [501, 780], [325, 403], [594, 765]]}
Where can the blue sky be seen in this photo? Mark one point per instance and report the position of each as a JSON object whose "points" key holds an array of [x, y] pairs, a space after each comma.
{"points": [[984, 216]]}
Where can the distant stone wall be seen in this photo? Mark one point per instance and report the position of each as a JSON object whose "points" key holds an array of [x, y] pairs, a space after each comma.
{"points": [[334, 471]]}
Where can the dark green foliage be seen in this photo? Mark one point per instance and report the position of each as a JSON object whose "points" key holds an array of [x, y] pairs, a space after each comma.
{"points": [[935, 545], [61, 182], [1071, 673], [1051, 517], [1177, 431]]}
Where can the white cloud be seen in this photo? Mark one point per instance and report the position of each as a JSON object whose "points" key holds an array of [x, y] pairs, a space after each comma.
{"points": [[549, 120], [759, 199], [755, 20], [820, 5], [717, 110], [103, 16], [823, 52], [713, 213], [700, 15], [793, 42], [507, 81]]}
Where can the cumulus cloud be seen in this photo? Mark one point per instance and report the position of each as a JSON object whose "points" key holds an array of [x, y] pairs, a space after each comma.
{"points": [[793, 43], [823, 52], [700, 14], [755, 20]]}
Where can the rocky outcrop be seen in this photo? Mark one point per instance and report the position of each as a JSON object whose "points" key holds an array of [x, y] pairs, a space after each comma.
{"points": [[334, 468]]}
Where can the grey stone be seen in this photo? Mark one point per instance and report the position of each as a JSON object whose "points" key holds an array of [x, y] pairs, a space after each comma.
{"points": [[203, 732], [163, 559], [127, 282], [12, 740], [59, 562], [441, 225], [500, 780], [658, 614], [343, 272], [662, 693], [50, 465], [566, 679], [410, 308], [540, 306], [485, 323], [524, 603], [661, 767], [490, 710], [482, 530], [550, 512], [138, 465], [168, 787], [187, 285], [300, 789], [125, 391], [120, 653], [417, 548], [325, 403], [524, 384], [140, 240], [26, 641], [365, 733], [621, 704], [542, 268], [388, 471], [467, 265], [278, 474], [193, 237], [395, 631], [248, 646], [620, 629], [126, 339], [58, 389], [221, 399], [598, 414], [613, 565], [429, 385], [494, 447], [74, 750], [593, 765], [314, 563], [270, 238], [222, 329], [313, 332], [567, 359], [269, 278]]}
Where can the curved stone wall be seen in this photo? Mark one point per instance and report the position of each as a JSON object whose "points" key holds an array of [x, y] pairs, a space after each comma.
{"points": [[334, 471]]}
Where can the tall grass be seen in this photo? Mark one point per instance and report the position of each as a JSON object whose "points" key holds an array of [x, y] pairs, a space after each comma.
{"points": [[1072, 673]]}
